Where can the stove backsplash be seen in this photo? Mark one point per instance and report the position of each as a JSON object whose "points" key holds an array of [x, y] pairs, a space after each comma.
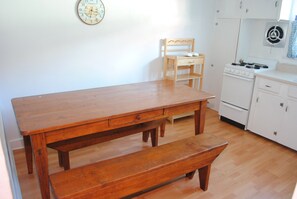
{"points": [[250, 44]]}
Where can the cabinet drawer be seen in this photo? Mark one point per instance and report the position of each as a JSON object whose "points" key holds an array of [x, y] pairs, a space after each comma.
{"points": [[292, 91], [269, 85], [189, 61], [136, 118]]}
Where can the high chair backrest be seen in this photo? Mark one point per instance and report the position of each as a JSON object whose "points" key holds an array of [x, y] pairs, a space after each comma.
{"points": [[180, 46]]}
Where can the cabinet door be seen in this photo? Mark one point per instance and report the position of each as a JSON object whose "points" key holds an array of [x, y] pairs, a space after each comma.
{"points": [[261, 9], [288, 131], [223, 51], [229, 8], [267, 115]]}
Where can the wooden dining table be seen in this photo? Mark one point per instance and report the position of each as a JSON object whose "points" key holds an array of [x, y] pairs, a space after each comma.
{"points": [[49, 118]]}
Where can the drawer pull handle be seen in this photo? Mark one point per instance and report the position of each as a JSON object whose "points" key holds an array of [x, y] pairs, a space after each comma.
{"points": [[138, 117], [267, 86]]}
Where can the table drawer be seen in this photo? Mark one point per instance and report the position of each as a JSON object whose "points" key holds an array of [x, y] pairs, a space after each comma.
{"points": [[76, 131], [190, 61], [269, 85], [182, 109], [136, 118]]}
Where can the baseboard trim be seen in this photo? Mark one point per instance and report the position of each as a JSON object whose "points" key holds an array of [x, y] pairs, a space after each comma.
{"points": [[16, 144]]}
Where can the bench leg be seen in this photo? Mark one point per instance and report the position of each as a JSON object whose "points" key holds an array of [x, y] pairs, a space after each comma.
{"points": [[204, 177], [29, 153], [162, 129], [145, 136], [191, 174], [65, 160], [60, 157], [154, 137]]}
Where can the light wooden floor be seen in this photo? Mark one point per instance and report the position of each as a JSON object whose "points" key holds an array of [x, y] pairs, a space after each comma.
{"points": [[250, 167]]}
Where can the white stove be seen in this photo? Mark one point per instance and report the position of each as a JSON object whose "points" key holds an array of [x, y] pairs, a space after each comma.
{"points": [[237, 89]]}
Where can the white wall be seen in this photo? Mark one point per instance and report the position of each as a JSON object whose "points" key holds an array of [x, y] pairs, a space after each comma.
{"points": [[251, 44], [45, 48]]}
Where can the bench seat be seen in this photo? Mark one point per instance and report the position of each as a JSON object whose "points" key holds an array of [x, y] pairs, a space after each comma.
{"points": [[64, 147], [128, 174]]}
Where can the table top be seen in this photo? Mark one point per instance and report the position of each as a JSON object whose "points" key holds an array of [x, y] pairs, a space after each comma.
{"points": [[42, 113]]}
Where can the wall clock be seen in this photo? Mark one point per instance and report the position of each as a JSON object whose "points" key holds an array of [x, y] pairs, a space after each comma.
{"points": [[91, 12]]}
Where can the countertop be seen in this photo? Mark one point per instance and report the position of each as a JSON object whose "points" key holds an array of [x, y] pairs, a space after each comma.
{"points": [[289, 78]]}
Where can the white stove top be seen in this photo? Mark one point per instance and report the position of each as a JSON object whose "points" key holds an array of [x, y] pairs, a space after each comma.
{"points": [[251, 67], [242, 71]]}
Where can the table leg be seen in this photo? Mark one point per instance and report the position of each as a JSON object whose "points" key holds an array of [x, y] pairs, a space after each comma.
{"points": [[200, 118], [41, 163], [28, 152]]}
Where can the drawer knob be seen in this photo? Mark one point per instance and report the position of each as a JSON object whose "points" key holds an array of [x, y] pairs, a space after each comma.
{"points": [[267, 86], [274, 133], [281, 104], [138, 117]]}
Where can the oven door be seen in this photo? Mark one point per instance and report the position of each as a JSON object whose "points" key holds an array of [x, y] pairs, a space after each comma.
{"points": [[237, 90]]}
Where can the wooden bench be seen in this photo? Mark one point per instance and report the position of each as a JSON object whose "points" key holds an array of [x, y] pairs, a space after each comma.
{"points": [[124, 175], [149, 129]]}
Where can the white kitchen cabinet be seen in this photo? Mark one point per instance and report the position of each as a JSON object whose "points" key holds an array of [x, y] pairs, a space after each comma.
{"points": [[274, 112], [254, 9], [223, 51], [288, 127], [266, 115], [261, 9], [229, 9]]}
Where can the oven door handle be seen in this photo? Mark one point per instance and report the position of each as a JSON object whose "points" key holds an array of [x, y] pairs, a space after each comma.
{"points": [[233, 107], [238, 77]]}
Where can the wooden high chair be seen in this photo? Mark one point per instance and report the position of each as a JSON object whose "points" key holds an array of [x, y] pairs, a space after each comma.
{"points": [[182, 65], [179, 65]]}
